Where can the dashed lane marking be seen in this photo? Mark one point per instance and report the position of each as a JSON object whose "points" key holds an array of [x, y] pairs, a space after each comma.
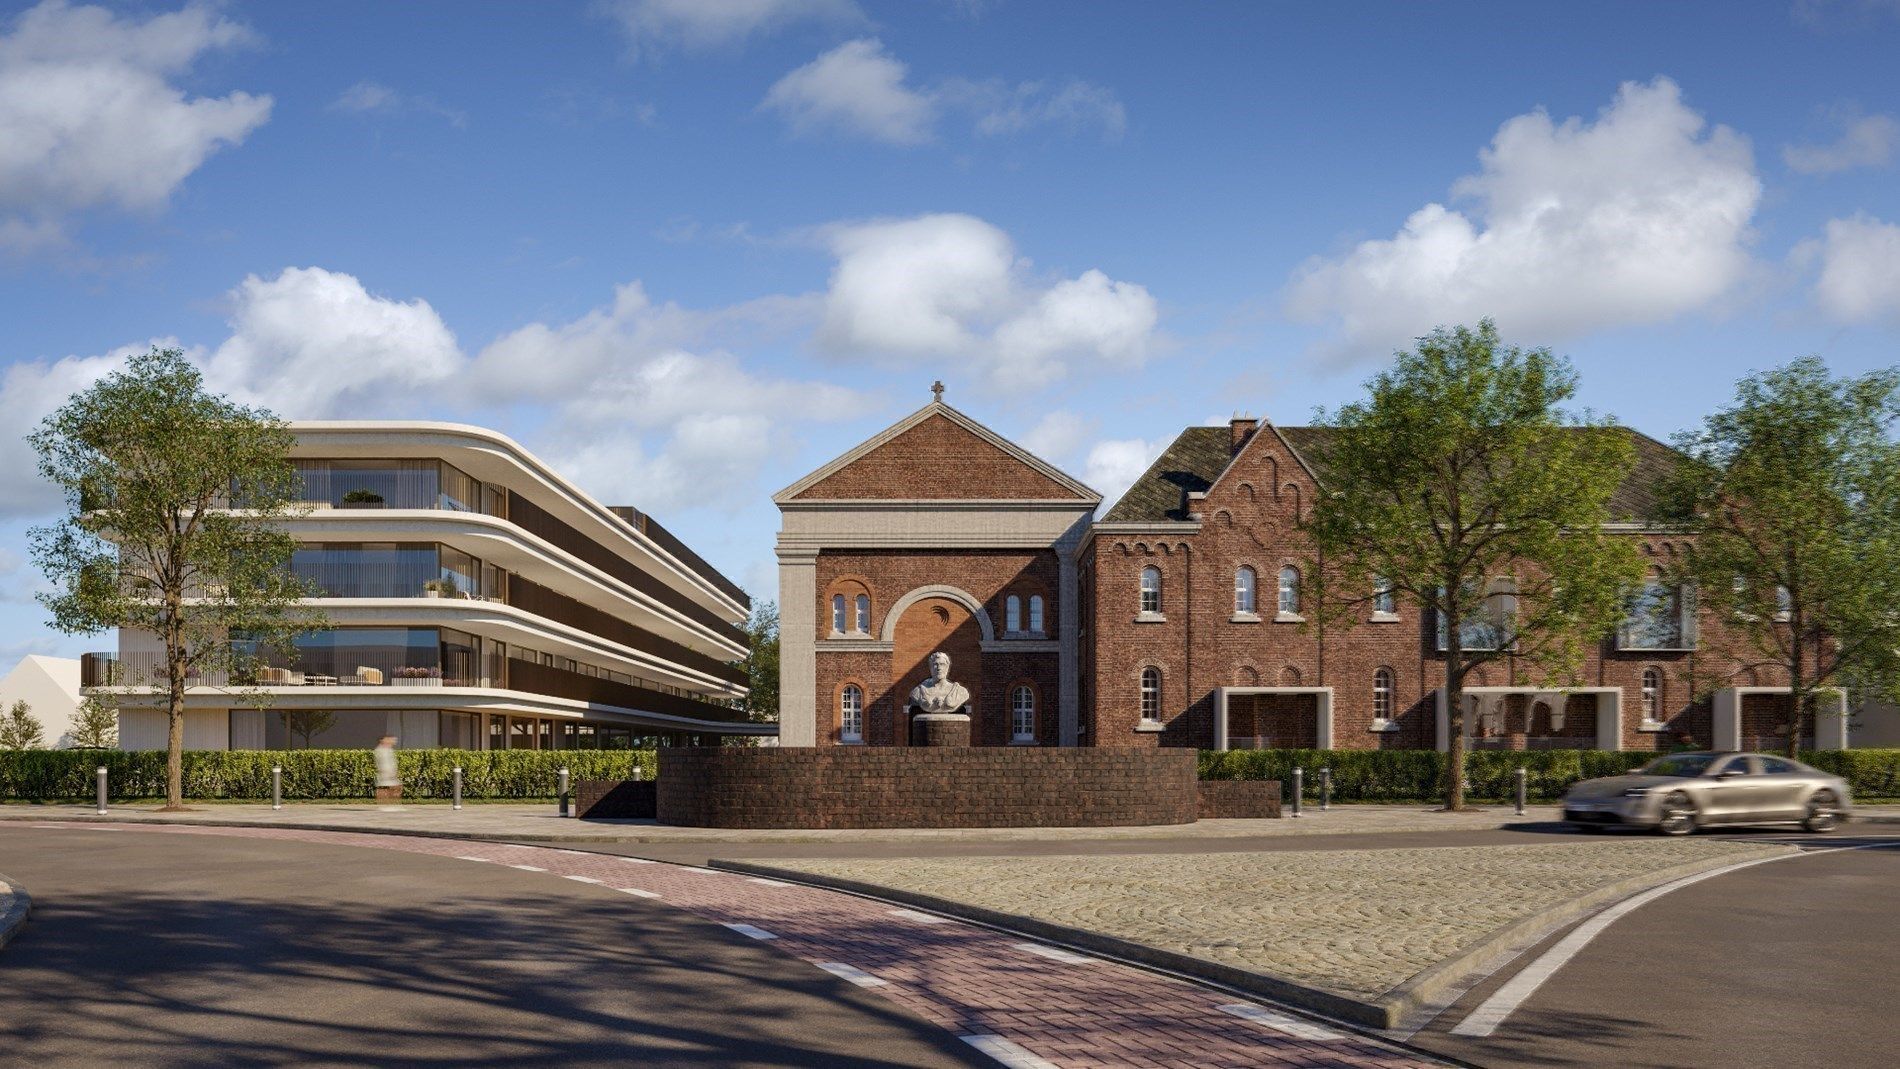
{"points": [[749, 930], [580, 879], [921, 917], [467, 857], [1056, 954], [768, 883], [852, 973], [528, 868], [637, 892], [1281, 1022], [1006, 1052]]}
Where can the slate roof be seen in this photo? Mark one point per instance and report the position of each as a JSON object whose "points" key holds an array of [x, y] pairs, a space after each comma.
{"points": [[1200, 454]]}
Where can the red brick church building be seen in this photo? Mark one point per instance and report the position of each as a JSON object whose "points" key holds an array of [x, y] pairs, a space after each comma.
{"points": [[1175, 619]]}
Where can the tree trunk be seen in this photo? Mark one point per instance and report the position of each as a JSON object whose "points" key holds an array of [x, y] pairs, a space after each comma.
{"points": [[1454, 718], [175, 657], [1798, 696]]}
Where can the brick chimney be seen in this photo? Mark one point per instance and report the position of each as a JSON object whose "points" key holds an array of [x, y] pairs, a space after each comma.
{"points": [[1242, 428]]}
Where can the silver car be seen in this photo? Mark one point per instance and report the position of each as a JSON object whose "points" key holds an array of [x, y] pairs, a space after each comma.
{"points": [[1681, 792]]}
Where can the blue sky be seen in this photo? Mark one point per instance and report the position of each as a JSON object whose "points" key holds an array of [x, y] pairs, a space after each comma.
{"points": [[688, 251]]}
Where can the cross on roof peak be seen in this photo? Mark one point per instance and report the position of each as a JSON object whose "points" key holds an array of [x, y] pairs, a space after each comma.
{"points": [[936, 392]]}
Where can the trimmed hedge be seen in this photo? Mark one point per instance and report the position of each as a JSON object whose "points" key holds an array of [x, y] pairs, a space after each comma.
{"points": [[46, 775], [1418, 775]]}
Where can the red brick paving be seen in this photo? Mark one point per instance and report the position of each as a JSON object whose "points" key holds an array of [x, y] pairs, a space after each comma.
{"points": [[968, 979]]}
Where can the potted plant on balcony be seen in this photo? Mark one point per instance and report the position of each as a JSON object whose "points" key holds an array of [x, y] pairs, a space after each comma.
{"points": [[361, 498], [416, 677], [439, 588]]}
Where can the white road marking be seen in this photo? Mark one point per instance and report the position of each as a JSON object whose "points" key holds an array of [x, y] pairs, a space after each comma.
{"points": [[1281, 1022], [528, 868], [1505, 1000], [466, 857], [577, 853], [768, 883], [1056, 954], [1008, 1053], [701, 871], [747, 929], [852, 973], [637, 860], [581, 879], [921, 917], [637, 892]]}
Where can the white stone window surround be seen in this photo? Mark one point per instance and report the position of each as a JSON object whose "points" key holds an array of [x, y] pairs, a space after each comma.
{"points": [[1022, 702], [851, 715], [1150, 708], [1384, 682]]}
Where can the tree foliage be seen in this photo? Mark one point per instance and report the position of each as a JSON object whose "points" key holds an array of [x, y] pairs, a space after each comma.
{"points": [[20, 729], [1793, 495], [761, 662], [95, 724], [1462, 485], [175, 499]]}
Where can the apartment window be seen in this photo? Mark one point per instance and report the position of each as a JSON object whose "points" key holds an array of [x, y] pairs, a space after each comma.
{"points": [[1487, 622], [1244, 590], [1035, 613], [1151, 591], [1290, 591], [1652, 695], [1022, 715], [1384, 601], [1660, 617], [1784, 603], [851, 714], [864, 614], [1151, 694], [1013, 614], [837, 613], [1382, 695]]}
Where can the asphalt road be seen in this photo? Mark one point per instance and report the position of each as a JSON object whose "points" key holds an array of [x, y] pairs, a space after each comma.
{"points": [[153, 949], [1780, 965]]}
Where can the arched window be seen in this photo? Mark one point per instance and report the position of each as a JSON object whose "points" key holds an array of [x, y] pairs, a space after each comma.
{"points": [[1652, 695], [864, 614], [1290, 590], [838, 621], [1035, 613], [851, 714], [1151, 693], [1382, 695], [1013, 614], [1383, 600], [1151, 590], [1022, 715], [1784, 603], [1243, 590]]}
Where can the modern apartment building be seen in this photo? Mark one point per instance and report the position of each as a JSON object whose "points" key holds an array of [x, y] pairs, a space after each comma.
{"points": [[476, 599]]}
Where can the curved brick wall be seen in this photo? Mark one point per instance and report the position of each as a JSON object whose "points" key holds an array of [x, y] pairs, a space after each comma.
{"points": [[905, 787]]}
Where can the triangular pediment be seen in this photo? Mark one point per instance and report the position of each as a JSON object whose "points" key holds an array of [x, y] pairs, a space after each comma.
{"points": [[937, 454]]}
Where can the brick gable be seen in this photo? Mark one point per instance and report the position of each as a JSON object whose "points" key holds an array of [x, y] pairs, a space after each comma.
{"points": [[940, 460]]}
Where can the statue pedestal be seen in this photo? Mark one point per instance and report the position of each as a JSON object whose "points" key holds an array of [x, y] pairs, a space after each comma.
{"points": [[940, 729]]}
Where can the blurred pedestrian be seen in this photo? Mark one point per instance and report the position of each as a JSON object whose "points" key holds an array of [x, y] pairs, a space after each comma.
{"points": [[388, 780]]}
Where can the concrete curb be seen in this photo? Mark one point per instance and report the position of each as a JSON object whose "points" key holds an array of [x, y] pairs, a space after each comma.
{"points": [[15, 904], [1421, 992]]}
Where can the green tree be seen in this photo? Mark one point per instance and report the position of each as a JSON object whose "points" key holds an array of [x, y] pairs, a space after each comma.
{"points": [[175, 501], [20, 729], [95, 724], [761, 663], [1793, 495], [1460, 484]]}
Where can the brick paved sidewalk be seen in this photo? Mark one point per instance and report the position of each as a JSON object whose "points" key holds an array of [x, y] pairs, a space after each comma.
{"points": [[1025, 1004]]}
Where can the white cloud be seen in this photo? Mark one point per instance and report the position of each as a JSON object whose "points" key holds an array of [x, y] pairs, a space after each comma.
{"points": [[1114, 465], [1866, 141], [860, 88], [857, 87], [29, 392], [1636, 217], [654, 26], [1860, 269], [1057, 435], [375, 98], [952, 286], [312, 343], [89, 114]]}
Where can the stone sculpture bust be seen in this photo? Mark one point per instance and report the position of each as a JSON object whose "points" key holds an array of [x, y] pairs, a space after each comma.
{"points": [[937, 694]]}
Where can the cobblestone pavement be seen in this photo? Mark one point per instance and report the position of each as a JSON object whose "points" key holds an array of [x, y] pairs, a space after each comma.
{"points": [[541, 822], [1356, 922], [1026, 1004]]}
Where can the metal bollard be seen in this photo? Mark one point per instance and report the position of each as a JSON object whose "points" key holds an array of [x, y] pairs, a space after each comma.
{"points": [[564, 790], [276, 787], [457, 804], [1299, 788], [1520, 790], [1325, 788], [639, 773], [102, 790]]}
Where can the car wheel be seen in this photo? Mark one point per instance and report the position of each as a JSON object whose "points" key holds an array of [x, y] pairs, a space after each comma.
{"points": [[1823, 813], [1678, 815]]}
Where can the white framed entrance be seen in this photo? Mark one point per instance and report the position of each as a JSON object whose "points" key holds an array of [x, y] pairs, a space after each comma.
{"points": [[1830, 716], [1322, 711], [1482, 699]]}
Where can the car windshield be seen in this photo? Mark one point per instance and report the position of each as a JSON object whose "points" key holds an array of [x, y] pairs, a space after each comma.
{"points": [[1681, 765]]}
